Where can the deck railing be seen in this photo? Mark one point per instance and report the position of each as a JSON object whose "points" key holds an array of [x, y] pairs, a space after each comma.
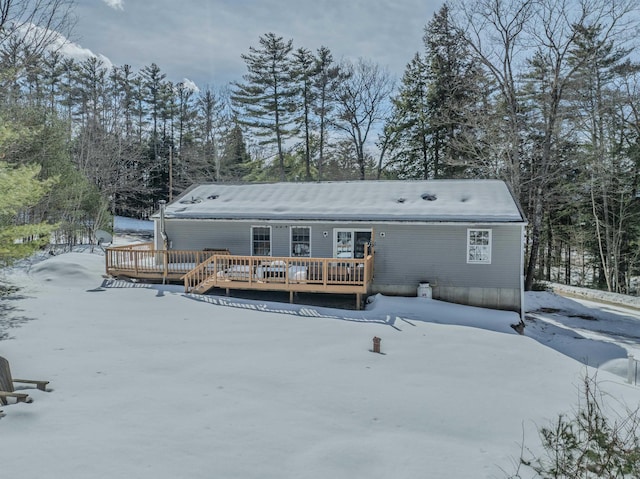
{"points": [[142, 261], [202, 270], [288, 273]]}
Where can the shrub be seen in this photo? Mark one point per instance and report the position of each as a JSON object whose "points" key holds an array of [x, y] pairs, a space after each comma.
{"points": [[592, 442]]}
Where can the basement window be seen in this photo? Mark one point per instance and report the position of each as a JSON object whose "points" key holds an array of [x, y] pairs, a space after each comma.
{"points": [[428, 197]]}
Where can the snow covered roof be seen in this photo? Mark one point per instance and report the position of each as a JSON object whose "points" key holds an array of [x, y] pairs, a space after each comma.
{"points": [[407, 201]]}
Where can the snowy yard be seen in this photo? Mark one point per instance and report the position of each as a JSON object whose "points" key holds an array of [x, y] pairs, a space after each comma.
{"points": [[147, 382]]}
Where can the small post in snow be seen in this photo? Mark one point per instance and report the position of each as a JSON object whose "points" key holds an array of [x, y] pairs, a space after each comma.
{"points": [[376, 344], [631, 369]]}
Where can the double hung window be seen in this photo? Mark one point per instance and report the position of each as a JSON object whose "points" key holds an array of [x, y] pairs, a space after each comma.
{"points": [[261, 240], [301, 241]]}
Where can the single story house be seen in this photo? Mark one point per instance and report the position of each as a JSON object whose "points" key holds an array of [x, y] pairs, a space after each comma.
{"points": [[463, 237]]}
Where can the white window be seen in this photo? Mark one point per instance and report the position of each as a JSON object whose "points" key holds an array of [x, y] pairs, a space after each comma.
{"points": [[479, 246], [349, 243], [300, 241], [261, 240]]}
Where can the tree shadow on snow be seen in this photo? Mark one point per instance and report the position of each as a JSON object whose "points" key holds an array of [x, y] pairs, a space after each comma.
{"points": [[270, 304], [588, 351], [9, 319]]}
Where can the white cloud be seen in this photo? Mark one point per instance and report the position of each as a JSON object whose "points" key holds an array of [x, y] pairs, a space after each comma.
{"points": [[190, 85], [60, 43], [80, 54], [115, 4], [206, 39]]}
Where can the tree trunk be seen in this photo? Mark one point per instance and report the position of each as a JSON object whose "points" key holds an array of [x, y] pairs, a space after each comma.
{"points": [[534, 247]]}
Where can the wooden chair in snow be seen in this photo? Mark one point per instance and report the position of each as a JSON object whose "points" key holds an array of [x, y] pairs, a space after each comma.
{"points": [[7, 389]]}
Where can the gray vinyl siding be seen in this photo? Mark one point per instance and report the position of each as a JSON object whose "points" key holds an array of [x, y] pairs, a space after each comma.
{"points": [[201, 234], [405, 255], [438, 254], [236, 236]]}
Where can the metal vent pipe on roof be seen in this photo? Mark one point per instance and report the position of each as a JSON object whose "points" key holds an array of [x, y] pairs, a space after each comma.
{"points": [[163, 234]]}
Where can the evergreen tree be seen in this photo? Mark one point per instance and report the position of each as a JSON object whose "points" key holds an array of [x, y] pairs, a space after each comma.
{"points": [[408, 126], [454, 82], [326, 80], [90, 93], [235, 162], [267, 98], [152, 83], [305, 69], [610, 173], [431, 131], [156, 174], [21, 191], [53, 66], [210, 121]]}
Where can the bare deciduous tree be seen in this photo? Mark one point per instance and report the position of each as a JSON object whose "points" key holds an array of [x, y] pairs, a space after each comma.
{"points": [[362, 101], [38, 25], [495, 33]]}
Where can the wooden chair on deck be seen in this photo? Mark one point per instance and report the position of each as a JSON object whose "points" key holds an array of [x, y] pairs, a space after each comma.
{"points": [[7, 389]]}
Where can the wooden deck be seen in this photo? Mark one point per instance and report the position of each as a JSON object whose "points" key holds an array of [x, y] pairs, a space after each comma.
{"points": [[202, 271]]}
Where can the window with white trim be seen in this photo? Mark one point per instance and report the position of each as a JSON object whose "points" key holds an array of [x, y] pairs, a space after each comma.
{"points": [[301, 241], [479, 246], [261, 240]]}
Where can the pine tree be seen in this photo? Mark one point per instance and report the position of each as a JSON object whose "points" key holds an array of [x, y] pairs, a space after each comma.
{"points": [[408, 128], [267, 98], [430, 131], [156, 173], [305, 69], [210, 121], [21, 190], [326, 80], [610, 174], [235, 162], [454, 82]]}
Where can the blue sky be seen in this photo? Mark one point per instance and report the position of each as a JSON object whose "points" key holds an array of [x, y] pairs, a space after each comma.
{"points": [[202, 40]]}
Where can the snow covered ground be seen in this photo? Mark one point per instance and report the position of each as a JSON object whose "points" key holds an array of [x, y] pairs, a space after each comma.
{"points": [[149, 382]]}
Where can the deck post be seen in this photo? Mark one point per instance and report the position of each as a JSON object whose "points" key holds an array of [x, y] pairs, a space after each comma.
{"points": [[358, 300], [286, 275], [325, 272], [365, 272], [291, 296], [165, 264]]}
